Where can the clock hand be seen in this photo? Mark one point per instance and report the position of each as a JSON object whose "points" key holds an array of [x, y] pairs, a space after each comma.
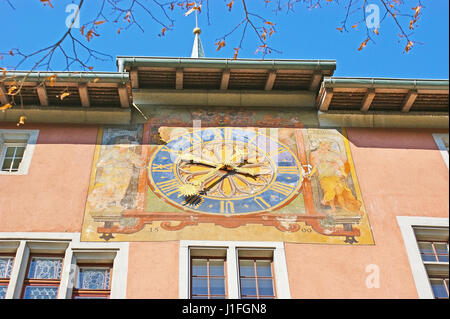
{"points": [[194, 187], [197, 160]]}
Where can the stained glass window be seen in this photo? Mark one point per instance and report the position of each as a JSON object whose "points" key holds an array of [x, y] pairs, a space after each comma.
{"points": [[93, 278], [45, 268], [43, 277], [6, 264], [93, 282]]}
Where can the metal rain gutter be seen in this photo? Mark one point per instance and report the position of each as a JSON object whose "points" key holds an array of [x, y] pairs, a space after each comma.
{"points": [[35, 76], [341, 82], [123, 62]]}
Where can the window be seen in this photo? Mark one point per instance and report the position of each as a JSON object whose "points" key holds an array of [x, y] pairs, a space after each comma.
{"points": [[208, 278], [6, 263], [43, 277], [59, 266], [433, 247], [426, 242], [214, 269], [93, 281], [256, 278], [16, 150], [442, 143]]}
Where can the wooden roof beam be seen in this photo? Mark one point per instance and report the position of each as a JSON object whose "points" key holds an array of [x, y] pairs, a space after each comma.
{"points": [[42, 94], [367, 101], [123, 96], [270, 80], [179, 79], [134, 79], [326, 99], [315, 81], [84, 95], [225, 79], [409, 100]]}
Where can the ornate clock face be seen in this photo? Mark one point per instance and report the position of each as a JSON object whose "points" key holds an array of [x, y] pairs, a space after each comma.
{"points": [[225, 171]]}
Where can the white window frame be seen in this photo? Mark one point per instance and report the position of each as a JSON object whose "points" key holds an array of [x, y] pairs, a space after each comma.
{"points": [[418, 269], [444, 152], [74, 251], [29, 137], [232, 276]]}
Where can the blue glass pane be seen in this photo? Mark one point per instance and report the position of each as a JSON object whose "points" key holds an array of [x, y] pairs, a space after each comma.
{"points": [[217, 286], [442, 252], [45, 268], [199, 267], [3, 291], [248, 287], [6, 264], [199, 286], [427, 252], [439, 289], [216, 268], [199, 297], [246, 268], [265, 287], [41, 292], [93, 278], [264, 269], [217, 297]]}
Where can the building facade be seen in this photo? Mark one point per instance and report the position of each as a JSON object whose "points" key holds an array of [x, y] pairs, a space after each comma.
{"points": [[215, 178]]}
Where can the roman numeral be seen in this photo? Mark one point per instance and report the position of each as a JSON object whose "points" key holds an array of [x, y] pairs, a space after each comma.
{"points": [[282, 188], [261, 202], [169, 150], [287, 170], [169, 187], [162, 168], [226, 207]]}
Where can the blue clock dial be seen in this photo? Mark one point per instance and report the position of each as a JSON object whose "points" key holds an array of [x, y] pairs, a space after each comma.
{"points": [[227, 170]]}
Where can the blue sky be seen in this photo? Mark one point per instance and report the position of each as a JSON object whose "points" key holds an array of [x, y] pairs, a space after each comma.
{"points": [[305, 34]]}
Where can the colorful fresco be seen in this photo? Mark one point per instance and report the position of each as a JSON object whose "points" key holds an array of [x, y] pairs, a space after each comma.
{"points": [[224, 183]]}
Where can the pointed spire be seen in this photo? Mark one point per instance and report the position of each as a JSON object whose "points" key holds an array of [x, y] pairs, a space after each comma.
{"points": [[197, 48]]}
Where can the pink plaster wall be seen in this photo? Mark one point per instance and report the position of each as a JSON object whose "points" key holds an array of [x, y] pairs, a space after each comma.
{"points": [[153, 270], [401, 173], [52, 196]]}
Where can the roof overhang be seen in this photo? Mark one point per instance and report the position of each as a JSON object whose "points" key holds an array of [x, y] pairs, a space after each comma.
{"points": [[383, 94], [225, 74], [85, 89]]}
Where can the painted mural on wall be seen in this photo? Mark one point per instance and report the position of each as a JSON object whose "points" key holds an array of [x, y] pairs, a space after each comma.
{"points": [[224, 183]]}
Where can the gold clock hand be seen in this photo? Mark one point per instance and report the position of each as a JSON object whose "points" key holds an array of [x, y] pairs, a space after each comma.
{"points": [[198, 160], [194, 187]]}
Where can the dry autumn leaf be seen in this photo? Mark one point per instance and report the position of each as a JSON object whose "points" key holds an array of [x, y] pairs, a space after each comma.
{"points": [[5, 107], [12, 89], [220, 44], [21, 120], [363, 44], [99, 22], [64, 95], [51, 79]]}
